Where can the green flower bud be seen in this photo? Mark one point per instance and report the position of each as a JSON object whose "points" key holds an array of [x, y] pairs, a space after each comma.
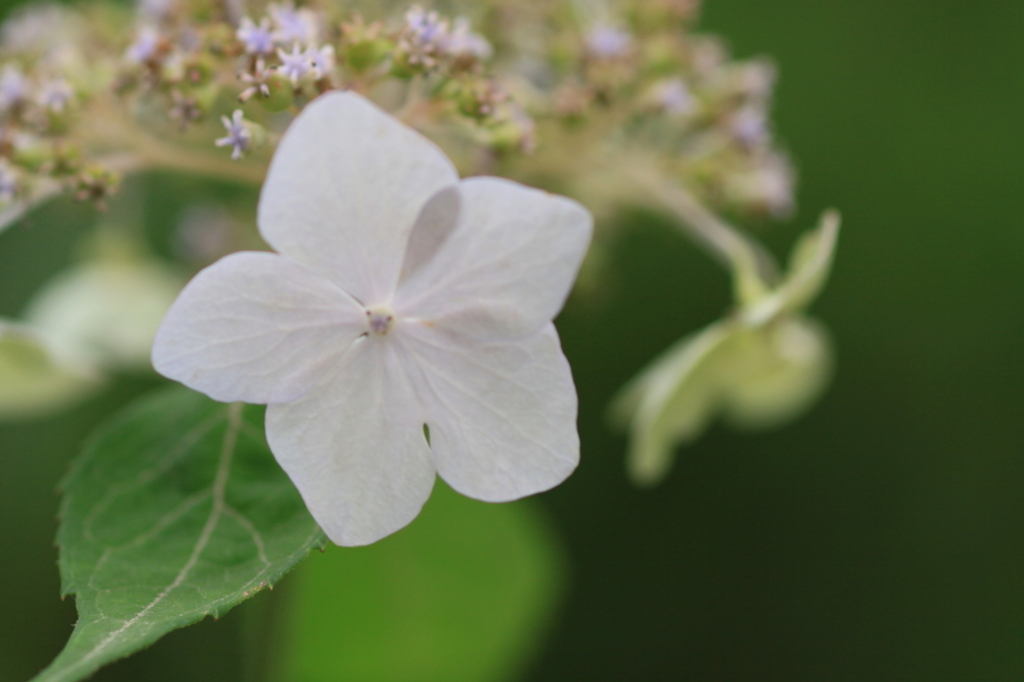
{"points": [[366, 54], [281, 96]]}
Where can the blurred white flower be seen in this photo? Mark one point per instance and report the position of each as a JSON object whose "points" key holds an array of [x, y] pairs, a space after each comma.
{"points": [[402, 299], [90, 321], [759, 368]]}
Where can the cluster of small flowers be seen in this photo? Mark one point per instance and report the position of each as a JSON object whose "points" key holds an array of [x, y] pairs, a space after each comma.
{"points": [[643, 77], [42, 86], [706, 115], [289, 55]]}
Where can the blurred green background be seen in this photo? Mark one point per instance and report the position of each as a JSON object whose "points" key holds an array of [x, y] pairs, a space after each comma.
{"points": [[879, 538]]}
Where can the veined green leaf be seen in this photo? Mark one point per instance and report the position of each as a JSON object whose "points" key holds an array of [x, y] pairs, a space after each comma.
{"points": [[176, 511]]}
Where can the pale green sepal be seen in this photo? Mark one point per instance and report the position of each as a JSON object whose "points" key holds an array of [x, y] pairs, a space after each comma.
{"points": [[756, 378], [670, 403], [809, 267], [779, 372], [175, 511], [32, 383]]}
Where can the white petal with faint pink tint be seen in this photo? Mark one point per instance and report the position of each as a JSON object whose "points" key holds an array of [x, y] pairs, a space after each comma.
{"points": [[502, 415], [507, 266], [255, 327], [354, 446], [344, 190]]}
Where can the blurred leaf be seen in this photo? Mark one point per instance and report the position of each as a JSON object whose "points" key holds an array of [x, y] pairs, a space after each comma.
{"points": [[461, 595], [177, 510]]}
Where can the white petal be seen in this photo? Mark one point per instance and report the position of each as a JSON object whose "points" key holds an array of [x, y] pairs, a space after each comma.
{"points": [[502, 415], [506, 268], [255, 327], [344, 189], [32, 383], [354, 446]]}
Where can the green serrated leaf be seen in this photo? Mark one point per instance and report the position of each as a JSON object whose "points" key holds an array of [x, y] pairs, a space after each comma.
{"points": [[176, 511]]}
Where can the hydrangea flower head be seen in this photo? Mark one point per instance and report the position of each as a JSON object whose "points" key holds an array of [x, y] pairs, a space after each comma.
{"points": [[403, 329]]}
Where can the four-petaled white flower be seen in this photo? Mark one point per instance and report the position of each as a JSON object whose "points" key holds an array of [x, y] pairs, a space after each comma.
{"points": [[404, 330], [239, 135]]}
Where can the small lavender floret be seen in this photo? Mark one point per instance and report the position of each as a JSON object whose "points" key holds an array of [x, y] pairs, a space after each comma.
{"points": [[607, 42], [8, 182], [293, 25], [145, 46], [257, 39], [239, 136], [321, 60], [462, 42], [296, 65], [13, 87], [55, 95]]}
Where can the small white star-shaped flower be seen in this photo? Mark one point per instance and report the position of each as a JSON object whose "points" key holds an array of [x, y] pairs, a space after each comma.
{"points": [[239, 136], [296, 65], [401, 298], [257, 38]]}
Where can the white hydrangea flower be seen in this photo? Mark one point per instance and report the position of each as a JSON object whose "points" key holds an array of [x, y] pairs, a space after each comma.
{"points": [[402, 299], [759, 368]]}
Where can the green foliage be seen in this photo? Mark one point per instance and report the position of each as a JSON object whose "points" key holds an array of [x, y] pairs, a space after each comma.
{"points": [[176, 511], [462, 595]]}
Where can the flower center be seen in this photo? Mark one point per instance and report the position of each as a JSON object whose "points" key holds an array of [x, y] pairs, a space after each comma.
{"points": [[380, 319]]}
